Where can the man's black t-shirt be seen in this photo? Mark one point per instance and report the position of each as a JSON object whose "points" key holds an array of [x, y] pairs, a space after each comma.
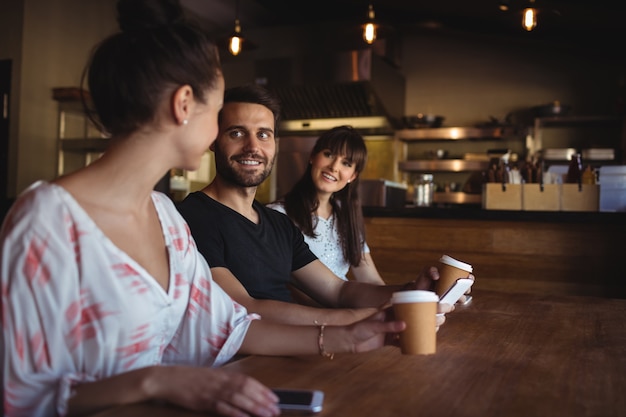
{"points": [[261, 256]]}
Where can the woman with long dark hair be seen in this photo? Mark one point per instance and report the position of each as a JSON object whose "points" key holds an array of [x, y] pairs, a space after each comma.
{"points": [[325, 205]]}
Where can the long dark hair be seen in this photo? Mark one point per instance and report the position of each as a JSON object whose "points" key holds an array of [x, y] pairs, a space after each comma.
{"points": [[301, 201], [157, 51]]}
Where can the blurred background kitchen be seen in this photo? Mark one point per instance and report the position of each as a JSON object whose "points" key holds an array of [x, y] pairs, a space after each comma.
{"points": [[434, 66], [446, 88]]}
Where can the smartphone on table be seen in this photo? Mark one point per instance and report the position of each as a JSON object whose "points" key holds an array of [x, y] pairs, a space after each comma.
{"points": [[300, 400]]}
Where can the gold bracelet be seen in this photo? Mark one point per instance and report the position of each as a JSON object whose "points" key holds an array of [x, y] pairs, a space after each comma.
{"points": [[320, 343]]}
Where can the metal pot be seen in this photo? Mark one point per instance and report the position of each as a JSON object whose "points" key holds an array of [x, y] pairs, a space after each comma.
{"points": [[423, 120], [553, 109]]}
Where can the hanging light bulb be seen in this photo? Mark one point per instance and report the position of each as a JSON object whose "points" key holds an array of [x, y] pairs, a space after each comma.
{"points": [[529, 17], [236, 40], [369, 29]]}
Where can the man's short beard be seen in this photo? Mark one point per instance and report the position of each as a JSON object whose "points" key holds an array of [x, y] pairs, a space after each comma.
{"points": [[233, 176], [243, 180]]}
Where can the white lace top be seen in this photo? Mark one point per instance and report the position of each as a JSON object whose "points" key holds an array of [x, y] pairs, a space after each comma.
{"points": [[326, 246]]}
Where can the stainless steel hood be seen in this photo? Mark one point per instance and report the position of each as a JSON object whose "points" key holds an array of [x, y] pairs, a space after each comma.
{"points": [[318, 92], [356, 88], [321, 107]]}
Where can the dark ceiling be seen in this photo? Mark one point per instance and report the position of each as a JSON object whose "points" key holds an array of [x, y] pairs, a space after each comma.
{"points": [[559, 20]]}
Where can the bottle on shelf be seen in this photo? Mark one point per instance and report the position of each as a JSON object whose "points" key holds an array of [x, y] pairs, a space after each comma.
{"points": [[515, 176], [424, 190], [531, 170], [575, 170], [589, 175], [491, 172], [503, 171], [539, 170]]}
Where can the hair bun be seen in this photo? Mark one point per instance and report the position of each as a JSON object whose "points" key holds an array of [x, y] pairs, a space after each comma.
{"points": [[144, 14]]}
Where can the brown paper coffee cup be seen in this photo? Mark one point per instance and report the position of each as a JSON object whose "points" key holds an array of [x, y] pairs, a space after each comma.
{"points": [[449, 271], [418, 309]]}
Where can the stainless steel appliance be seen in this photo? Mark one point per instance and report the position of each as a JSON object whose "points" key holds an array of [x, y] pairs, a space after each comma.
{"points": [[356, 88], [382, 193]]}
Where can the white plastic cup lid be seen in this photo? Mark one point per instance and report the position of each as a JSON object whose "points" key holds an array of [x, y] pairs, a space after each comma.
{"points": [[448, 260], [414, 296]]}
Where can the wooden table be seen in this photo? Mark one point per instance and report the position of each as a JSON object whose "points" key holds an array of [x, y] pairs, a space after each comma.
{"points": [[504, 355]]}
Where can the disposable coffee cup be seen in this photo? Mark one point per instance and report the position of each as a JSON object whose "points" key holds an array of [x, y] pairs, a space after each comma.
{"points": [[418, 309], [450, 270]]}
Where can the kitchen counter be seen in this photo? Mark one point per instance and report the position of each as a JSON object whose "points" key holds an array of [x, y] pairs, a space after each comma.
{"points": [[478, 213], [577, 253]]}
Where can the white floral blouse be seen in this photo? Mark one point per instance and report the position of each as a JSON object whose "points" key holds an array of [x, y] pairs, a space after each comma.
{"points": [[77, 308]]}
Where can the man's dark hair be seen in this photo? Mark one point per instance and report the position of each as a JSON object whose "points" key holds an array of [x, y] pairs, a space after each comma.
{"points": [[253, 93]]}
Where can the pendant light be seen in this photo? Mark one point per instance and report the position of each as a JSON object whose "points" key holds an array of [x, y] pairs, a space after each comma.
{"points": [[370, 27], [235, 42], [529, 16]]}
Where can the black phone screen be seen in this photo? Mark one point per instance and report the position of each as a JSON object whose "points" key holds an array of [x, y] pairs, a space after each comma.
{"points": [[294, 397]]}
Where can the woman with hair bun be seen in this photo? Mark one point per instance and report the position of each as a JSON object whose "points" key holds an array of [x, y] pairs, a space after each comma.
{"points": [[105, 299]]}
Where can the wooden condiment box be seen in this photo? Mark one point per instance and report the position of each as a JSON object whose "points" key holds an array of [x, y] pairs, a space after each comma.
{"points": [[497, 196], [534, 197], [541, 197], [583, 197]]}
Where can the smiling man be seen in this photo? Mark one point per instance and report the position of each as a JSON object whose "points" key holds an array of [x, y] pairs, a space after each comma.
{"points": [[254, 252]]}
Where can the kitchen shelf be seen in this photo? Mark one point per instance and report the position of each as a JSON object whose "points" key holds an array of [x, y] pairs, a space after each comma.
{"points": [[443, 165], [452, 197], [450, 171], [535, 142], [76, 134], [578, 121], [455, 133]]}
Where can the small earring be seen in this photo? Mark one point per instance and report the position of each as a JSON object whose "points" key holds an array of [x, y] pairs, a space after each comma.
{"points": [[185, 121], [348, 181]]}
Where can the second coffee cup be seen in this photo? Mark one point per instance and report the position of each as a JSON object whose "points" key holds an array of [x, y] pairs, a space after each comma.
{"points": [[418, 309], [450, 270]]}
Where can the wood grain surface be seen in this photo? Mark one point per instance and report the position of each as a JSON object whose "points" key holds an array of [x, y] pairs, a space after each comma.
{"points": [[535, 257], [514, 355]]}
